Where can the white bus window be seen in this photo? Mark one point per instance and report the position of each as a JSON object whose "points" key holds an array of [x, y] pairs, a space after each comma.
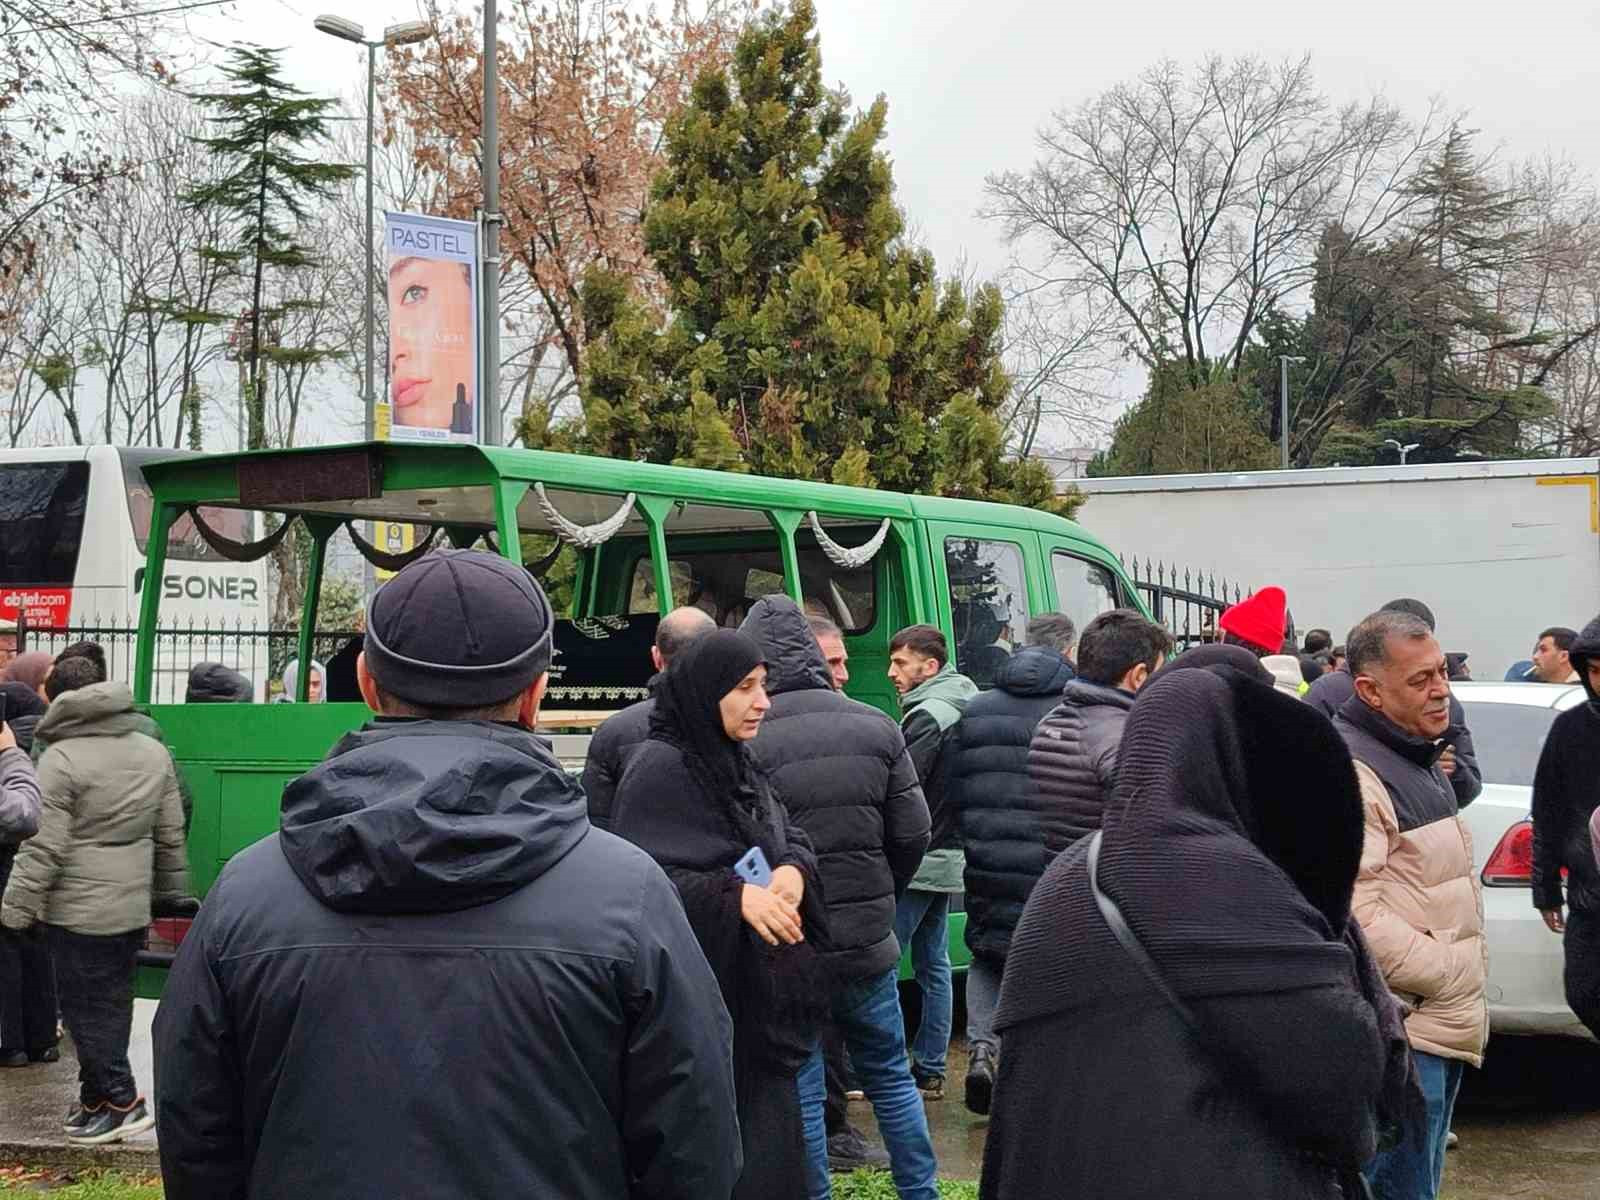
{"points": [[184, 543], [1084, 589], [42, 509], [988, 604]]}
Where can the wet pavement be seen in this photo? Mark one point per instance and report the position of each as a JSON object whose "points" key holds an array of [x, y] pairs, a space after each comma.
{"points": [[1529, 1124]]}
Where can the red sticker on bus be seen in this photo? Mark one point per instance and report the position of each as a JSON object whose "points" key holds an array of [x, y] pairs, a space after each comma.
{"points": [[44, 608]]}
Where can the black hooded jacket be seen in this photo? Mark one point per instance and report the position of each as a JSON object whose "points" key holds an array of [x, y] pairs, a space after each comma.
{"points": [[995, 799], [842, 770], [438, 976], [607, 758], [1239, 889], [214, 683], [1565, 795]]}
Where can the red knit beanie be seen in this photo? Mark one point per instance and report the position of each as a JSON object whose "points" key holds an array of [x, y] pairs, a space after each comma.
{"points": [[1259, 620]]}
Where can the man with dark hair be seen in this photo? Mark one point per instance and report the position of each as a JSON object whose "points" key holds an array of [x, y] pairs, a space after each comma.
{"points": [[1072, 757], [1416, 879], [993, 800], [830, 640], [624, 732], [842, 771], [1459, 761], [110, 840], [92, 651], [1317, 641], [437, 936], [932, 697], [1564, 800], [1552, 656]]}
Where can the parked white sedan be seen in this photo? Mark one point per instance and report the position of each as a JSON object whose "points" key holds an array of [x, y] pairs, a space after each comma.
{"points": [[1509, 722]]}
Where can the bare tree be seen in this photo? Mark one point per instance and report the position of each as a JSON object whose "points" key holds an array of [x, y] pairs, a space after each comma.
{"points": [[1183, 206], [1059, 355]]}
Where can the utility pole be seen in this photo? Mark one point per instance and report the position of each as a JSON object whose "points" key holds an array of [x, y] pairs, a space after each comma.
{"points": [[1283, 399], [489, 431]]}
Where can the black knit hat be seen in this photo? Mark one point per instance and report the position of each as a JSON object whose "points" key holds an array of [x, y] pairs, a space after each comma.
{"points": [[459, 629]]}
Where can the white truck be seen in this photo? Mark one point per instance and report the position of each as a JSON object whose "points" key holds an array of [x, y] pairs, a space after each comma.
{"points": [[1498, 550]]}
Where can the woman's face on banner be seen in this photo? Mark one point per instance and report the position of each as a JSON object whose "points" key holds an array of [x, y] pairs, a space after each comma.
{"points": [[430, 340]]}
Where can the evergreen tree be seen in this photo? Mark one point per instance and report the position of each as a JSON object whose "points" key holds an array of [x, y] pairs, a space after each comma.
{"points": [[265, 125], [804, 337], [1178, 428]]}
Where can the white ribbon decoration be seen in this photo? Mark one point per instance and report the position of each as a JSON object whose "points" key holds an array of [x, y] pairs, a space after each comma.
{"points": [[841, 556], [583, 536]]}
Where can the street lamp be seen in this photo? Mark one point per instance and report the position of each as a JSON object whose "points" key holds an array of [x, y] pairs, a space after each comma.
{"points": [[1404, 450], [403, 34], [1283, 399]]}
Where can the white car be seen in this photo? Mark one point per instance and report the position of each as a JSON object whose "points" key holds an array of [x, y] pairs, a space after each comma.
{"points": [[1509, 722]]}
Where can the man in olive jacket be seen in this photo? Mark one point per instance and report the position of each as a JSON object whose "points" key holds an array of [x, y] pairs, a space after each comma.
{"points": [[111, 831]]}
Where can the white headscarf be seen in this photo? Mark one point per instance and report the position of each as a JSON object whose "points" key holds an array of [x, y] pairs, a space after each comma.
{"points": [[291, 681]]}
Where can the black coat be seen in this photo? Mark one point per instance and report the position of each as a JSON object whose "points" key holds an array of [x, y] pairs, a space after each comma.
{"points": [[610, 748], [1073, 761], [438, 976], [842, 771], [1330, 693], [1565, 794], [994, 798]]}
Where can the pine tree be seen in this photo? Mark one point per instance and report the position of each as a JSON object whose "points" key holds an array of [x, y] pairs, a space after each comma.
{"points": [[265, 124], [804, 337]]}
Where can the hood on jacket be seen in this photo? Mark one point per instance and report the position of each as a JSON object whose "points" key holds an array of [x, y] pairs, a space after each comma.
{"points": [[408, 816], [794, 660], [1285, 670], [1034, 671], [213, 683], [944, 696], [1586, 647], [99, 710]]}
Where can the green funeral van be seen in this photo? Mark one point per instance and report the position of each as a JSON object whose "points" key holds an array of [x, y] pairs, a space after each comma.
{"points": [[642, 539]]}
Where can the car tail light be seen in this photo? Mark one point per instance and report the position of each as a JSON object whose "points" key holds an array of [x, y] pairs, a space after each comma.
{"points": [[166, 934], [1511, 864]]}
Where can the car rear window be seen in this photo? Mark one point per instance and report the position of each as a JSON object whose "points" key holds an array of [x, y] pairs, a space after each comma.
{"points": [[1508, 739]]}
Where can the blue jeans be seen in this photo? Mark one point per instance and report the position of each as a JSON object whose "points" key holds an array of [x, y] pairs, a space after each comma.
{"points": [[867, 1014], [922, 921], [1414, 1168]]}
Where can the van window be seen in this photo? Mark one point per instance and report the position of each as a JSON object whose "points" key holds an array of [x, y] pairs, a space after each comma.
{"points": [[1084, 589], [727, 582], [41, 521], [988, 604]]}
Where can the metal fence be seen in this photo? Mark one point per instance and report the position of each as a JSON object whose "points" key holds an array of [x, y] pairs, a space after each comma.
{"points": [[260, 654], [1187, 604]]}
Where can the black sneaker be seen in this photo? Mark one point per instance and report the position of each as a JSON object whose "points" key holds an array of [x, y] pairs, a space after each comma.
{"points": [[48, 1055], [112, 1124], [13, 1058], [78, 1116], [980, 1081], [849, 1151], [931, 1086]]}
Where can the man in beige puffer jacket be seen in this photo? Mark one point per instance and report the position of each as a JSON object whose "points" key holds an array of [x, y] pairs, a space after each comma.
{"points": [[110, 833], [1417, 896]]}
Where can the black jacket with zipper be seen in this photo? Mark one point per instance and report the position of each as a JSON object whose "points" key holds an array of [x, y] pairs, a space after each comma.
{"points": [[437, 970]]}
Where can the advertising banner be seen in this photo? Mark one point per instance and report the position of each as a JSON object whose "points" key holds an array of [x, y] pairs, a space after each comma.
{"points": [[432, 268], [42, 607]]}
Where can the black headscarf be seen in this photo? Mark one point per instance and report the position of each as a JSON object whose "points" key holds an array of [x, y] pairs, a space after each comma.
{"points": [[1234, 836], [688, 710]]}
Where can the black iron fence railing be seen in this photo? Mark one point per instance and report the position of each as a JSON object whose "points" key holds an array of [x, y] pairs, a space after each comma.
{"points": [[1188, 604]]}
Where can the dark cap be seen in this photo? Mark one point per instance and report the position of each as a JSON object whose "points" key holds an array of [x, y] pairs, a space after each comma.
{"points": [[459, 629]]}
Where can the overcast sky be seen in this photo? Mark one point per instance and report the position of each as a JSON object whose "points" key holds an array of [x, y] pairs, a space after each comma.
{"points": [[969, 83]]}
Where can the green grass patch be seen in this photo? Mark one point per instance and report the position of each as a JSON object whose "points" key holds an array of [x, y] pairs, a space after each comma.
{"points": [[78, 1185], [869, 1185]]}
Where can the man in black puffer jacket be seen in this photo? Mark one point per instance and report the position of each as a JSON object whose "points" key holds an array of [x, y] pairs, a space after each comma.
{"points": [[842, 770], [437, 969], [992, 797], [1564, 798]]}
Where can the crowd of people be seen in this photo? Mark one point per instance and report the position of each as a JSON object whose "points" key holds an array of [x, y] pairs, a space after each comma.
{"points": [[1225, 931]]}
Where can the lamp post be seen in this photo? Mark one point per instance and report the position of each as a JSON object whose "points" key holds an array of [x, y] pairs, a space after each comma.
{"points": [[395, 35], [490, 430], [1283, 399], [1404, 450]]}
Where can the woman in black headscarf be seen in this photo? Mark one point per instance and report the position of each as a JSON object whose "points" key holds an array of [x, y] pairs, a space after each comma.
{"points": [[1253, 1051], [693, 798]]}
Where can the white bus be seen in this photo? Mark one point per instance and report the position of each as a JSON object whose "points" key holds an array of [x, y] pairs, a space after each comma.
{"points": [[74, 521]]}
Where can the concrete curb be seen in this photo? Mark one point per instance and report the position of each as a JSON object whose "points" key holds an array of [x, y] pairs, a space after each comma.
{"points": [[140, 1157]]}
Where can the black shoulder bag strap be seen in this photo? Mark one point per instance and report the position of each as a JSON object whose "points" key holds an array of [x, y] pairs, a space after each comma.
{"points": [[1353, 1182], [1123, 932]]}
